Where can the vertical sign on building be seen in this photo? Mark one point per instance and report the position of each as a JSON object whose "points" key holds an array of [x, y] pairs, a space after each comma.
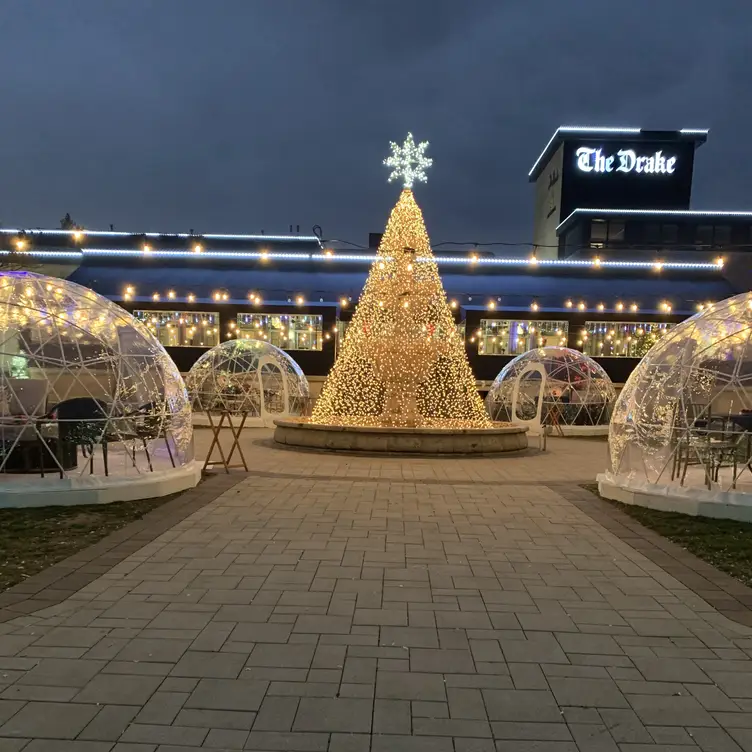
{"points": [[548, 206]]}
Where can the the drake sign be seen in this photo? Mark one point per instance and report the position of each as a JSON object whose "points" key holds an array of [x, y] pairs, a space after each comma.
{"points": [[590, 159]]}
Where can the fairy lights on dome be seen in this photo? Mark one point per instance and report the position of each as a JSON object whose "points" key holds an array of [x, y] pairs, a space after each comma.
{"points": [[679, 386]]}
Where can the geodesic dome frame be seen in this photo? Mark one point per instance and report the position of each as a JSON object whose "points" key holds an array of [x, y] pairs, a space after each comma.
{"points": [[553, 386], [248, 376], [89, 399], [679, 427]]}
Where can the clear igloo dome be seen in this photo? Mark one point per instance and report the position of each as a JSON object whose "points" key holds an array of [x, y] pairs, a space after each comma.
{"points": [[683, 422], [553, 386], [248, 376], [87, 395]]}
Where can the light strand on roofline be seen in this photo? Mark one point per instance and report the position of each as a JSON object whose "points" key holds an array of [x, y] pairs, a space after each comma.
{"points": [[532, 261], [196, 236], [50, 254], [497, 305]]}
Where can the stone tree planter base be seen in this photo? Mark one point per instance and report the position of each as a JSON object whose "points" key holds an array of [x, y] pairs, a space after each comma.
{"points": [[502, 437]]}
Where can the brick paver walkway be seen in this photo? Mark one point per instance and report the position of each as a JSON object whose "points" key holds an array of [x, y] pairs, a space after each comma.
{"points": [[347, 604]]}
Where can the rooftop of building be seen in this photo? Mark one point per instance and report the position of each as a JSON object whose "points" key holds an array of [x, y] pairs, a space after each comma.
{"points": [[128, 243], [529, 288], [743, 217]]}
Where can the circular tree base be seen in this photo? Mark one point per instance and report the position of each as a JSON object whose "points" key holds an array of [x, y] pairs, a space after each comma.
{"points": [[499, 438]]}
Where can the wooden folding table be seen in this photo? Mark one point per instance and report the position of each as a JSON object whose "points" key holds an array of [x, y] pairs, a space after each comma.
{"points": [[225, 420]]}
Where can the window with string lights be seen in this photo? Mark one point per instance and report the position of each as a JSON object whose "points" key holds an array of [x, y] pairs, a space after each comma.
{"points": [[516, 336], [288, 331], [620, 339], [182, 328]]}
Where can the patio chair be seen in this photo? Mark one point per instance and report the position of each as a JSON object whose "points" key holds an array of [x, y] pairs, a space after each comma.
{"points": [[715, 445], [149, 423], [83, 422], [724, 445]]}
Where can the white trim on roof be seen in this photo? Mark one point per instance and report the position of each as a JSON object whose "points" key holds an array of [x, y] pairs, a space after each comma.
{"points": [[520, 262], [195, 236], [658, 212]]}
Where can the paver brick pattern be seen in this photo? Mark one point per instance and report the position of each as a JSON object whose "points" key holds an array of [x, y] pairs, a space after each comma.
{"points": [[334, 604]]}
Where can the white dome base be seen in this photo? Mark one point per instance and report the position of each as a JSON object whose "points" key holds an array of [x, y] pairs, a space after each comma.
{"points": [[601, 430], [694, 501], [33, 491]]}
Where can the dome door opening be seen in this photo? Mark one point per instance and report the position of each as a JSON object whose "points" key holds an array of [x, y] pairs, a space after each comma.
{"points": [[527, 397], [274, 390]]}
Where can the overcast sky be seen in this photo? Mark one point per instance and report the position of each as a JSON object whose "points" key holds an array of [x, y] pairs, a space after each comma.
{"points": [[242, 115]]}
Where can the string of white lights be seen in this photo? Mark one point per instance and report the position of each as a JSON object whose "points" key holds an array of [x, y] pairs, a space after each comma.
{"points": [[531, 261]]}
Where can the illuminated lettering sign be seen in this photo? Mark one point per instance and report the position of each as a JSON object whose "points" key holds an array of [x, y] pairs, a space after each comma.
{"points": [[625, 160]]}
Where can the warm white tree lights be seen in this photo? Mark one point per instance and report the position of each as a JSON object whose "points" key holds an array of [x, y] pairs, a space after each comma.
{"points": [[402, 361]]}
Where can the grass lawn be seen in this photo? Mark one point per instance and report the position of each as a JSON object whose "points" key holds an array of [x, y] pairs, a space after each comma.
{"points": [[725, 544], [33, 539]]}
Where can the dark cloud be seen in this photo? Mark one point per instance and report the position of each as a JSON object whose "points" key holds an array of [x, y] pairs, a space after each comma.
{"points": [[239, 115]]}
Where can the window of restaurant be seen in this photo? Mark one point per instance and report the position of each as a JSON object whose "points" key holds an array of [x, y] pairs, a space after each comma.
{"points": [[704, 235], [515, 336], [341, 329], [713, 235], [619, 339], [604, 232], [652, 232], [669, 233], [616, 231], [182, 328], [721, 235], [598, 231], [288, 331]]}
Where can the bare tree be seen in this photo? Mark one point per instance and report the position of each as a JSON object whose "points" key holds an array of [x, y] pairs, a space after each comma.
{"points": [[66, 223]]}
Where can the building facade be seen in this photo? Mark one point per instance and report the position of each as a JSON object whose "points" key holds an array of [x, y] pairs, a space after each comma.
{"points": [[615, 264]]}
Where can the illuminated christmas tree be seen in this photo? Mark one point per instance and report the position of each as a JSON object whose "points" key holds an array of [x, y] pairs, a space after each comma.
{"points": [[403, 362]]}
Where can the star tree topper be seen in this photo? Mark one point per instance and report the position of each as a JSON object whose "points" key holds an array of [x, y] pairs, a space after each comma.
{"points": [[408, 161]]}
